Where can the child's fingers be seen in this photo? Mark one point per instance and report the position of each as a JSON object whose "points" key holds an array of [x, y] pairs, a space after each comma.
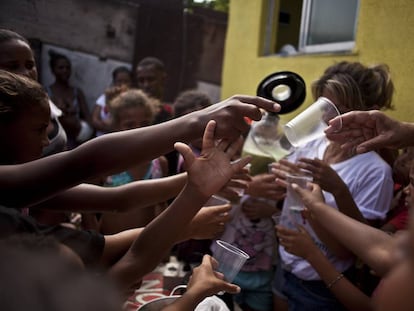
{"points": [[220, 209], [219, 275], [301, 229], [240, 164], [231, 288], [301, 191], [288, 166], [242, 175], [208, 137], [284, 232], [186, 152], [237, 183], [235, 147], [282, 174], [281, 183], [223, 144], [214, 263]]}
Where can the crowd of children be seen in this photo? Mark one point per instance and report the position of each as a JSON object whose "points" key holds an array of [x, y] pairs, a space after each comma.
{"points": [[141, 189]]}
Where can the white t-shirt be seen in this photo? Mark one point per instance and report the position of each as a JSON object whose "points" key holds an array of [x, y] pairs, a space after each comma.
{"points": [[369, 179]]}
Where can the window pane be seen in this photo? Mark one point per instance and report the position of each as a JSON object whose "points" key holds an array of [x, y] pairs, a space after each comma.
{"points": [[332, 21]]}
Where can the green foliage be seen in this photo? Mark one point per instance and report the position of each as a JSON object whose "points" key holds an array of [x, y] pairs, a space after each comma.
{"points": [[218, 5]]}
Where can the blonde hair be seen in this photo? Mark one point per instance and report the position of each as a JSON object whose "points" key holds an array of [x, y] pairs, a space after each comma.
{"points": [[357, 86], [132, 98]]}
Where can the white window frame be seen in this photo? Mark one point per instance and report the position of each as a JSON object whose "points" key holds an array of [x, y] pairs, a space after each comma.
{"points": [[320, 48]]}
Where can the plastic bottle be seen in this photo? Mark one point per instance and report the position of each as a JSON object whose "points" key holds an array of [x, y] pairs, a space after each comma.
{"points": [[266, 143]]}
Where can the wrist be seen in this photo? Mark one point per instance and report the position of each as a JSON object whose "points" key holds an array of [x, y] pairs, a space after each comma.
{"points": [[318, 207], [334, 281], [196, 292], [196, 125], [194, 193], [339, 192], [313, 255], [184, 302]]}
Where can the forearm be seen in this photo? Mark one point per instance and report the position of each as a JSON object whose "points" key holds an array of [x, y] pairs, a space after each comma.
{"points": [[334, 246], [346, 292], [87, 161], [116, 245], [406, 133], [139, 194], [346, 204], [164, 231], [373, 246]]}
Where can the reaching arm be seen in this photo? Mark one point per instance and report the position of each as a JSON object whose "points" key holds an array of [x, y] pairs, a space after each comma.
{"points": [[206, 175], [204, 282], [372, 245], [46, 177], [330, 181], [369, 130], [138, 194], [299, 243], [331, 243]]}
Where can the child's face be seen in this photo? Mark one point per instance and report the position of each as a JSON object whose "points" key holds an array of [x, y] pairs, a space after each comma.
{"points": [[122, 78], [17, 57], [397, 287], [131, 118], [25, 138]]}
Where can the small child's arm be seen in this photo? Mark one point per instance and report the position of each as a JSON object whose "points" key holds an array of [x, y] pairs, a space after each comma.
{"points": [[206, 175], [204, 282]]}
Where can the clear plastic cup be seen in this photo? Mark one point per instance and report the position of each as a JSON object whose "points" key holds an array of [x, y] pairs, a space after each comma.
{"points": [[293, 201], [311, 123], [216, 200], [230, 259]]}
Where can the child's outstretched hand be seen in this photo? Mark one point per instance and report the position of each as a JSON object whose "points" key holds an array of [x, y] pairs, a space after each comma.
{"points": [[209, 222], [264, 186], [208, 173], [206, 282]]}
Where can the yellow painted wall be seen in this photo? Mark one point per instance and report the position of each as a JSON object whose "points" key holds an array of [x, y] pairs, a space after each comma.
{"points": [[385, 33]]}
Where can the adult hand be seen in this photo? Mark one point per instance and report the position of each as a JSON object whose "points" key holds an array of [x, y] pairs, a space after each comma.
{"points": [[230, 114], [369, 130]]}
